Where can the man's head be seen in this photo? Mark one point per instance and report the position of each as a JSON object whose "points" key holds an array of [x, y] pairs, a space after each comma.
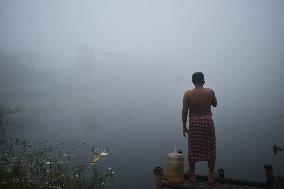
{"points": [[198, 79]]}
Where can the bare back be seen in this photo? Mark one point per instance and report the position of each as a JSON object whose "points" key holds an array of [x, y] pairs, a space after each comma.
{"points": [[199, 100]]}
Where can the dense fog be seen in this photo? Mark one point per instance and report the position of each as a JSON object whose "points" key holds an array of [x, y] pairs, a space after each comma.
{"points": [[114, 73]]}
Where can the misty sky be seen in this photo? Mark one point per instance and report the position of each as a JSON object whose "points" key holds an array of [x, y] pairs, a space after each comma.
{"points": [[239, 45], [208, 31], [139, 56]]}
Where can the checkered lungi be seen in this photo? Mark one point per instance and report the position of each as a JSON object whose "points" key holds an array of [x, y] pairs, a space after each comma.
{"points": [[201, 138]]}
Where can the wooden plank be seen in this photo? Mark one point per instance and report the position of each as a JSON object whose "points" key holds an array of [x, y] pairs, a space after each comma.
{"points": [[204, 185], [220, 183], [232, 181]]}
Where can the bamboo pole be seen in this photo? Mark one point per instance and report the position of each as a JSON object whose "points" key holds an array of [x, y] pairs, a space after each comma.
{"points": [[269, 176], [158, 173]]}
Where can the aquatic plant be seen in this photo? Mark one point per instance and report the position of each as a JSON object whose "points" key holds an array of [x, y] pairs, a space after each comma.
{"points": [[40, 165]]}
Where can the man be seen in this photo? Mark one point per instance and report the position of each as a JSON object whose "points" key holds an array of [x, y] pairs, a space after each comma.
{"points": [[201, 131]]}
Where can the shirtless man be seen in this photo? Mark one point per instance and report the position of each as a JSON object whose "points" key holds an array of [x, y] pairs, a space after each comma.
{"points": [[201, 131]]}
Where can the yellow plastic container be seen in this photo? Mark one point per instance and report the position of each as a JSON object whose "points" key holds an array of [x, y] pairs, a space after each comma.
{"points": [[175, 167]]}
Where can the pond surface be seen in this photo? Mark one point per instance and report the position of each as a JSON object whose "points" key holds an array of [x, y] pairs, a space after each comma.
{"points": [[138, 139]]}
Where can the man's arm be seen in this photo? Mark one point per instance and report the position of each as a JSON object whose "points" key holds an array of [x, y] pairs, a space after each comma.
{"points": [[214, 100], [184, 114]]}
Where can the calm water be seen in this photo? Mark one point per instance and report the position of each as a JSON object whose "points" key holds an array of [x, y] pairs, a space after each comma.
{"points": [[139, 138]]}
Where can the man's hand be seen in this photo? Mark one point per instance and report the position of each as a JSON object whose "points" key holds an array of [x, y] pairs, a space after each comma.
{"points": [[185, 132]]}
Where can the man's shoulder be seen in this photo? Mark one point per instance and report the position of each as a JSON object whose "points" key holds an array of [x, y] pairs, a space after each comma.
{"points": [[188, 92], [193, 92], [209, 90]]}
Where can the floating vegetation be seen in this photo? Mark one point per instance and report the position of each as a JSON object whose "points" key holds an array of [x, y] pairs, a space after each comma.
{"points": [[98, 154], [97, 158], [39, 165], [104, 153], [48, 163]]}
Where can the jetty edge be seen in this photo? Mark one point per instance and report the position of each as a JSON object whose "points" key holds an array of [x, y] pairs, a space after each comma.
{"points": [[221, 182]]}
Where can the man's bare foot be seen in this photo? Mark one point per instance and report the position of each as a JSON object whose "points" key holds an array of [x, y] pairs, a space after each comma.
{"points": [[211, 179], [192, 178]]}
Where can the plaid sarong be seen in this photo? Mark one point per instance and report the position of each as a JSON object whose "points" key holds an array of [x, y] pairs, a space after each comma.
{"points": [[201, 138]]}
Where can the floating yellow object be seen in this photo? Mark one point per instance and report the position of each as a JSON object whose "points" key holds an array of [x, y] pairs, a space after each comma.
{"points": [[97, 158]]}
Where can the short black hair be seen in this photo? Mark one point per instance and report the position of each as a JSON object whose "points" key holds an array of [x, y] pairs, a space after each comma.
{"points": [[197, 78]]}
